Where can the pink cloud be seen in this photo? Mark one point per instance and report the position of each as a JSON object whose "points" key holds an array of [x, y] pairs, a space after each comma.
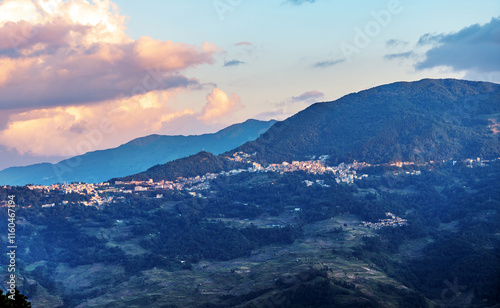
{"points": [[80, 54], [71, 130], [219, 104], [23, 35], [171, 56], [75, 130]]}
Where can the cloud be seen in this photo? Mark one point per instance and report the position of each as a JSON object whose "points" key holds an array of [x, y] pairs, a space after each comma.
{"points": [[233, 63], [219, 104], [77, 52], [278, 115], [72, 130], [392, 43], [401, 55], [475, 48], [107, 25], [245, 50], [327, 63], [308, 96], [299, 2], [21, 36], [244, 43]]}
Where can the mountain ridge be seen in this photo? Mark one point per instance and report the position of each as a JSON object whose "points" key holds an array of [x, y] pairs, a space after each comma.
{"points": [[421, 120]]}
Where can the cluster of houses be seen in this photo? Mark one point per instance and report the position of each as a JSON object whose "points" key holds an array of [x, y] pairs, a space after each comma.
{"points": [[392, 221], [478, 162], [344, 173], [90, 190], [242, 157], [78, 188]]}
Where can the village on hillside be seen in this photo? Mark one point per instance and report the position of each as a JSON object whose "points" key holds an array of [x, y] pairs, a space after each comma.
{"points": [[100, 194]]}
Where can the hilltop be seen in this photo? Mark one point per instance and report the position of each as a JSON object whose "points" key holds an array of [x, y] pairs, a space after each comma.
{"points": [[403, 121]]}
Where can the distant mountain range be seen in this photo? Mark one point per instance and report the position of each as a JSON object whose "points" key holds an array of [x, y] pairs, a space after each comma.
{"points": [[403, 121], [134, 156]]}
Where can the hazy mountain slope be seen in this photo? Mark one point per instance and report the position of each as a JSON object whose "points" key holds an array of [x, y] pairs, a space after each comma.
{"points": [[422, 120], [133, 157]]}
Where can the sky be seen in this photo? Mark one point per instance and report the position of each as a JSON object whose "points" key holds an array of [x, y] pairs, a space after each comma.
{"points": [[79, 76]]}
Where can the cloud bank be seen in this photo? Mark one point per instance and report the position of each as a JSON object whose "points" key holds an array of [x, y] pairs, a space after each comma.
{"points": [[474, 48], [79, 53], [75, 130]]}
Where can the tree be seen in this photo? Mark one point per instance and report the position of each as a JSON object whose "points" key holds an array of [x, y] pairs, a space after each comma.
{"points": [[19, 302]]}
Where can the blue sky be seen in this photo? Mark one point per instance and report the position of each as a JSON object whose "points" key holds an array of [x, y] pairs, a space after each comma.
{"points": [[288, 40], [189, 67]]}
